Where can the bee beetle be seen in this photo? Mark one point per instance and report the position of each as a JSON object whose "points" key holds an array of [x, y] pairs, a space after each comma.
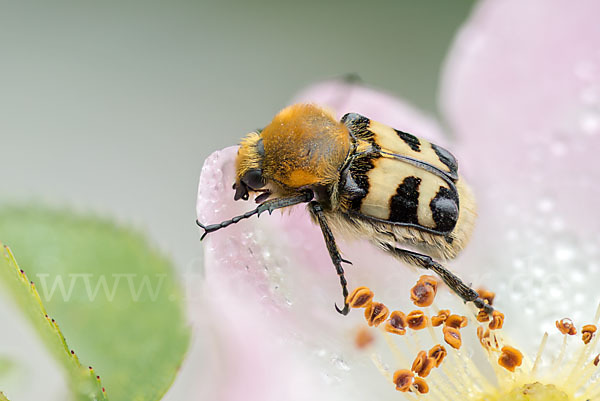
{"points": [[364, 179]]}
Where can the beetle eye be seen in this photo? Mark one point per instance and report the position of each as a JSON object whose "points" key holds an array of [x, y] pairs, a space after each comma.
{"points": [[241, 191], [254, 179]]}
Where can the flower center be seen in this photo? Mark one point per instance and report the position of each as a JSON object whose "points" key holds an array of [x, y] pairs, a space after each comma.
{"points": [[532, 392]]}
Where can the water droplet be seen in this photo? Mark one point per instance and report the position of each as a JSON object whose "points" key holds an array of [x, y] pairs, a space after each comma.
{"points": [[339, 363], [589, 123], [554, 292], [518, 264], [545, 205], [564, 253], [577, 277], [538, 272]]}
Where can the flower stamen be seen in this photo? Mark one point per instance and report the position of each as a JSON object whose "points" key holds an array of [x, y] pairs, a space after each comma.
{"points": [[423, 292], [397, 323], [420, 385], [360, 297], [440, 318], [510, 358], [538, 357], [417, 320], [403, 379], [437, 353], [460, 378], [566, 326], [452, 337], [422, 364], [497, 320], [587, 333], [456, 321], [376, 313]]}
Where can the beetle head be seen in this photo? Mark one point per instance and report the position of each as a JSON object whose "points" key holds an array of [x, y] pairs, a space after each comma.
{"points": [[249, 166]]}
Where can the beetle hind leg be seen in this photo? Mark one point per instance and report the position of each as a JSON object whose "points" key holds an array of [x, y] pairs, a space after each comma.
{"points": [[452, 280]]}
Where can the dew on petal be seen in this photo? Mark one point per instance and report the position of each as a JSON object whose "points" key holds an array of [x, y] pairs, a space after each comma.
{"points": [[564, 253], [545, 205], [589, 122], [340, 364]]}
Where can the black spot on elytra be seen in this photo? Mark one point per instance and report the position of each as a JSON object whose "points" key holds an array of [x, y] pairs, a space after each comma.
{"points": [[446, 157], [359, 170], [410, 140], [403, 205], [444, 208]]}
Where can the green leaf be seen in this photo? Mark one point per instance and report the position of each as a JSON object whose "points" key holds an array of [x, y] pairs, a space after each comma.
{"points": [[2, 397], [84, 383], [115, 296], [6, 365]]}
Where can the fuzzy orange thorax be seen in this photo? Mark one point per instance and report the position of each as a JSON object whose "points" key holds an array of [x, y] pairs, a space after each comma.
{"points": [[304, 145]]}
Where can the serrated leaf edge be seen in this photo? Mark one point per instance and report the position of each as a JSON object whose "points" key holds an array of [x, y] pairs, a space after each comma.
{"points": [[10, 258]]}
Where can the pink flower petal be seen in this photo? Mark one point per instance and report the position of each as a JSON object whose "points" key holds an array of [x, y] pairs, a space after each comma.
{"points": [[521, 89]]}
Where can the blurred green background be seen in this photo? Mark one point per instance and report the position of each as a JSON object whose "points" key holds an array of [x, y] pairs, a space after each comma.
{"points": [[112, 106]]}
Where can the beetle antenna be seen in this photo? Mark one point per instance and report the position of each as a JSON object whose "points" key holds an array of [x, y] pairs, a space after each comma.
{"points": [[267, 206]]}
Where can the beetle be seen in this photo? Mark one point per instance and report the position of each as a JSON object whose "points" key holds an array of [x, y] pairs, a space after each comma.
{"points": [[364, 179]]}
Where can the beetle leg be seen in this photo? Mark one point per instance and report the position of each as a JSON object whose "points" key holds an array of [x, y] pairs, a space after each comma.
{"points": [[452, 280], [334, 253], [269, 205]]}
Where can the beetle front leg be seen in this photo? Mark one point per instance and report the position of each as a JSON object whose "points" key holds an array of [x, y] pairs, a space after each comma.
{"points": [[266, 206], [452, 280], [334, 253]]}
